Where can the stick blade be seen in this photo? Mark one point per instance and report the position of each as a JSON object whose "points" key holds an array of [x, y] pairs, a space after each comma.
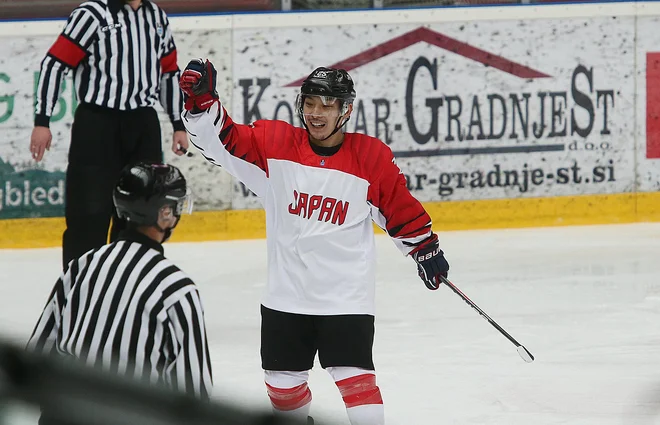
{"points": [[526, 355]]}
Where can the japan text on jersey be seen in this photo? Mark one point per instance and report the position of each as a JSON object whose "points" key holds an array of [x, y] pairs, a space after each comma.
{"points": [[319, 209]]}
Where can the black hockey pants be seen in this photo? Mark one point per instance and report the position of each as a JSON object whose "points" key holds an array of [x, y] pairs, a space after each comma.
{"points": [[103, 141]]}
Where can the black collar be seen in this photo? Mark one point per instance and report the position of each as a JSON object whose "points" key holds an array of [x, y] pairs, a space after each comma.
{"points": [[116, 5], [132, 235], [325, 150]]}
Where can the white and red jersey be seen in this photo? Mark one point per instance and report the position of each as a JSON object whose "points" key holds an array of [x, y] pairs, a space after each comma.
{"points": [[319, 209]]}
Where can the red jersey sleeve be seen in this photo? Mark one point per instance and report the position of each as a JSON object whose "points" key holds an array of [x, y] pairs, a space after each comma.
{"points": [[242, 150], [394, 208], [245, 142]]}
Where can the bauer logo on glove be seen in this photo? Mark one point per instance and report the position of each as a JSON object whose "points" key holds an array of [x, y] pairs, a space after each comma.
{"points": [[431, 262]]}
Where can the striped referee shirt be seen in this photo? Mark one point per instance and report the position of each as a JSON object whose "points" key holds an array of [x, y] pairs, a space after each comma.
{"points": [[121, 58], [126, 309]]}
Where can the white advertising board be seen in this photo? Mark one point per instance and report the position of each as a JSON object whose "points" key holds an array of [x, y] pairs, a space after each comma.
{"points": [[472, 110], [485, 103]]}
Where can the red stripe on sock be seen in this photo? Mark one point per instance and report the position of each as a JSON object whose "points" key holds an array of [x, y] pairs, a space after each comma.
{"points": [[286, 399], [367, 397], [360, 390]]}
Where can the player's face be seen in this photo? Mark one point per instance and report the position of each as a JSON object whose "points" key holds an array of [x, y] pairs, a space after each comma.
{"points": [[321, 115]]}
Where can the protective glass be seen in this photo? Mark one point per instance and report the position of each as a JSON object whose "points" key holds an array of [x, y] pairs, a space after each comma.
{"points": [[184, 204], [326, 100]]}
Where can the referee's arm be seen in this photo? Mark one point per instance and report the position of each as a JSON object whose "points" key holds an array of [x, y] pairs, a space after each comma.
{"points": [[44, 336], [191, 370], [169, 93], [66, 53]]}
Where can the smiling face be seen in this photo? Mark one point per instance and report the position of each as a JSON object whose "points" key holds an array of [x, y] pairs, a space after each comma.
{"points": [[321, 116]]}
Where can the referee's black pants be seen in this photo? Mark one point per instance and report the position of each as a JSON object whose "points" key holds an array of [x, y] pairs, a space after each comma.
{"points": [[103, 141]]}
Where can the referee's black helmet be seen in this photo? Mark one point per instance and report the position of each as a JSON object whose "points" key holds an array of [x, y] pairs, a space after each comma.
{"points": [[144, 188]]}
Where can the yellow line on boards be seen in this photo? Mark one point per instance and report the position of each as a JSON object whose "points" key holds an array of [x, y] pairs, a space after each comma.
{"points": [[451, 215]]}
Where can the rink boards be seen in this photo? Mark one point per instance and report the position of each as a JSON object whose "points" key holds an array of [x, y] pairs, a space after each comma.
{"points": [[456, 215], [498, 116]]}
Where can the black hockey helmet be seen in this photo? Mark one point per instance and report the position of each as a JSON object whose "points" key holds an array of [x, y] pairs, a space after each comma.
{"points": [[144, 188], [329, 84]]}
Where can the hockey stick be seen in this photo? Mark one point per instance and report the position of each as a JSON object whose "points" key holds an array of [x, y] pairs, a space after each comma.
{"points": [[522, 351]]}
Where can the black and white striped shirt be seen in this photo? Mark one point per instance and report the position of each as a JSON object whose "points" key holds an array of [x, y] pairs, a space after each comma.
{"points": [[122, 59], [126, 309]]}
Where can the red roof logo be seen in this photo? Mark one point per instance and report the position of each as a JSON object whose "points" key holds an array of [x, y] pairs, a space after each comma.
{"points": [[437, 39]]}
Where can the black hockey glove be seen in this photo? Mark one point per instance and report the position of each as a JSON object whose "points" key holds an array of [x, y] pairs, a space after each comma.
{"points": [[197, 83], [431, 262]]}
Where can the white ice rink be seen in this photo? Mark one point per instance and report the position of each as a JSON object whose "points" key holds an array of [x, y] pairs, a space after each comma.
{"points": [[584, 300]]}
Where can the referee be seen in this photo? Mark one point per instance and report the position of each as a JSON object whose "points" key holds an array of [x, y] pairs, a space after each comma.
{"points": [[124, 307], [124, 60]]}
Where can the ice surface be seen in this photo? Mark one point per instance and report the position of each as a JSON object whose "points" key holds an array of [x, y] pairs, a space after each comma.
{"points": [[584, 300]]}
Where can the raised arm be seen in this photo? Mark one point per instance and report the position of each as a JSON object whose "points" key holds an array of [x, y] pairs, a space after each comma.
{"points": [[239, 149]]}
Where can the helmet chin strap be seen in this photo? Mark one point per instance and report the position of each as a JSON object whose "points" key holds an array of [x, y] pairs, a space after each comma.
{"points": [[167, 233]]}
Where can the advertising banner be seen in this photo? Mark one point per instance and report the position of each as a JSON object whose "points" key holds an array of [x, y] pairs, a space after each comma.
{"points": [[648, 105], [30, 189], [472, 110]]}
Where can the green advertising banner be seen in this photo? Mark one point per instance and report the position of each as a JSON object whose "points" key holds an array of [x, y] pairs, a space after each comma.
{"points": [[30, 193], [29, 189]]}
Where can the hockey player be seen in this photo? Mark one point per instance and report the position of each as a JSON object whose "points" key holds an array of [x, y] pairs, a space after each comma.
{"points": [[321, 188], [124, 307]]}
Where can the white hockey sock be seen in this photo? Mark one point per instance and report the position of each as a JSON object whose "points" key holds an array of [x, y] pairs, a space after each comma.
{"points": [[361, 395], [367, 414]]}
